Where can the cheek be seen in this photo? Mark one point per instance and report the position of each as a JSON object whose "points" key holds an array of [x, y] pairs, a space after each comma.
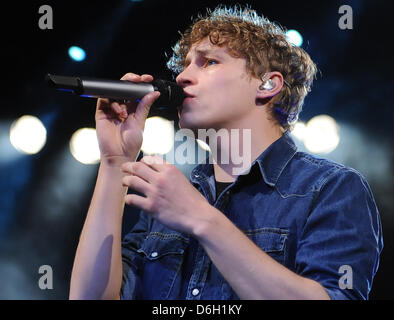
{"points": [[232, 97], [232, 87]]}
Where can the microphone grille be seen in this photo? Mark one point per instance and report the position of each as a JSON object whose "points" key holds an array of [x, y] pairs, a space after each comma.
{"points": [[172, 94]]}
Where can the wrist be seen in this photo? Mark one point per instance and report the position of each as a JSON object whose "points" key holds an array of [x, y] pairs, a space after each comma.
{"points": [[208, 222], [116, 161], [111, 175]]}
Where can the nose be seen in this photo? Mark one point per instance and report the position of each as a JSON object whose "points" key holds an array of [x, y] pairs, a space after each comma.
{"points": [[185, 78]]}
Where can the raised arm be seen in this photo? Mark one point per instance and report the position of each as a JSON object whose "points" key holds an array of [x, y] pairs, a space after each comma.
{"points": [[97, 270]]}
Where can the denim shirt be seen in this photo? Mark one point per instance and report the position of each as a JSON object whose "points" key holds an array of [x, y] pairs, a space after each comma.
{"points": [[316, 217]]}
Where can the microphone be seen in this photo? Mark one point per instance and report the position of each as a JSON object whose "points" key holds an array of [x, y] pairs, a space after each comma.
{"points": [[171, 94]]}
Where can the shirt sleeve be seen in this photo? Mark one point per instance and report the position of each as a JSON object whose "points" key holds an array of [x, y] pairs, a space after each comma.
{"points": [[131, 259], [342, 239]]}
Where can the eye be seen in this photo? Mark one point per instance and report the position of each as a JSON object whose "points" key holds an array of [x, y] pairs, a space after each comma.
{"points": [[209, 62]]}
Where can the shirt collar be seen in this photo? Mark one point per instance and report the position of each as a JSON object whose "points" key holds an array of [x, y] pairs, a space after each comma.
{"points": [[275, 158], [271, 161]]}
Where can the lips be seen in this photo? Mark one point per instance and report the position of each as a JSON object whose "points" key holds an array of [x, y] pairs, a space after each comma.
{"points": [[188, 95]]}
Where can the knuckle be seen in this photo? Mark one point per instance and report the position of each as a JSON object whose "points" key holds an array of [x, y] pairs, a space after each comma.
{"points": [[125, 166], [136, 167], [129, 200], [151, 206], [161, 181], [149, 160], [127, 180], [170, 170], [129, 166]]}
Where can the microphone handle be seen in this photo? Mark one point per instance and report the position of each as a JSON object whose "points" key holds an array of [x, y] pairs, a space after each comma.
{"points": [[115, 89], [172, 95]]}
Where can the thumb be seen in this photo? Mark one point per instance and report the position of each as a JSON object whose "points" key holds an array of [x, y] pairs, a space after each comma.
{"points": [[142, 111]]}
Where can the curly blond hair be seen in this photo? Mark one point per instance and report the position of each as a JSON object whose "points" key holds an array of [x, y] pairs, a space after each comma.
{"points": [[265, 47]]}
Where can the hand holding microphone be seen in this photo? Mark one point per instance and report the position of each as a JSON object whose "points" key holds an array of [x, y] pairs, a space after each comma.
{"points": [[120, 125], [122, 109]]}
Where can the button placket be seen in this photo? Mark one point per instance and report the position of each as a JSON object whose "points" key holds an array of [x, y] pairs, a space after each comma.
{"points": [[199, 275]]}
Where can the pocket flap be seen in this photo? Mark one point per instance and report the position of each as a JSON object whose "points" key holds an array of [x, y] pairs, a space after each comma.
{"points": [[268, 239], [158, 244]]}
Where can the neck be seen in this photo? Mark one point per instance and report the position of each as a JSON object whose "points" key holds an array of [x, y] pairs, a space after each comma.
{"points": [[234, 156]]}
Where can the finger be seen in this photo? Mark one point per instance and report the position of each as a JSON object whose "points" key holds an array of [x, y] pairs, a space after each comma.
{"points": [[138, 201], [139, 169], [105, 109], [143, 107], [136, 183], [154, 162], [120, 110], [115, 106], [131, 77], [103, 101], [102, 104], [147, 78]]}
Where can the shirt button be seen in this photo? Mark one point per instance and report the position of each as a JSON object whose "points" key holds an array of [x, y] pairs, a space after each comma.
{"points": [[154, 254], [195, 292]]}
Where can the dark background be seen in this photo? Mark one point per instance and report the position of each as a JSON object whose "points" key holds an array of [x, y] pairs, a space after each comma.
{"points": [[44, 197]]}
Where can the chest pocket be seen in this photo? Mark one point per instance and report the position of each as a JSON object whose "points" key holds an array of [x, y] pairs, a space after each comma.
{"points": [[157, 244], [163, 257], [272, 241]]}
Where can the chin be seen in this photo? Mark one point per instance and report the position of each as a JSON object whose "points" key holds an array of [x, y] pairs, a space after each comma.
{"points": [[186, 122], [188, 125]]}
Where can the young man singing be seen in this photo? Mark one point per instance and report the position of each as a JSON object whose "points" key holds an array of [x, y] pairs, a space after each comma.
{"points": [[284, 229]]}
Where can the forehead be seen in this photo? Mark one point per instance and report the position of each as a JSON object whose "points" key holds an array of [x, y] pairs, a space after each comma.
{"points": [[204, 47]]}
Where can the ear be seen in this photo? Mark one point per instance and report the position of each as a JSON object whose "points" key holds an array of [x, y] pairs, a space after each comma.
{"points": [[277, 84]]}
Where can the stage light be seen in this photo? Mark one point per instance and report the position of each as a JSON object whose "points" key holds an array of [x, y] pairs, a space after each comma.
{"points": [[84, 146], [28, 134], [294, 37], [158, 136], [321, 134], [299, 131], [76, 53]]}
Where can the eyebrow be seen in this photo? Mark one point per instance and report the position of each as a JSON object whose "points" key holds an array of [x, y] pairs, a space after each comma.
{"points": [[205, 51], [202, 52]]}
